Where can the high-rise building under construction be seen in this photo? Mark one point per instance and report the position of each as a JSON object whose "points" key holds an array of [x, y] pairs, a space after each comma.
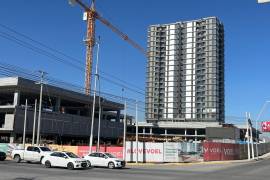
{"points": [[185, 71]]}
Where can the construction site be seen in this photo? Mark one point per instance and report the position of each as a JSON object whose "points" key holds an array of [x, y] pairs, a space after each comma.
{"points": [[184, 90]]}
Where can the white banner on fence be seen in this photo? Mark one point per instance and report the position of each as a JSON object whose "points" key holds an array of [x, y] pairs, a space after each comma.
{"points": [[147, 152], [171, 152], [162, 152]]}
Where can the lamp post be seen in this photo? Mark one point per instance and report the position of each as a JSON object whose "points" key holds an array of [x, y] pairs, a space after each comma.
{"points": [[137, 131], [257, 119], [94, 100]]}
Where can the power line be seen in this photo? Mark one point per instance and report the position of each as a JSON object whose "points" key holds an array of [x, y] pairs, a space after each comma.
{"points": [[41, 44], [37, 50], [8, 70], [51, 55], [114, 77], [121, 85]]}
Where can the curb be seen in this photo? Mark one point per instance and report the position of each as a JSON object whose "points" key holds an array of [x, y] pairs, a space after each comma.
{"points": [[178, 164], [262, 157]]}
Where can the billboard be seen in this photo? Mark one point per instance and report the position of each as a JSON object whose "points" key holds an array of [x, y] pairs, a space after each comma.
{"points": [[266, 126]]}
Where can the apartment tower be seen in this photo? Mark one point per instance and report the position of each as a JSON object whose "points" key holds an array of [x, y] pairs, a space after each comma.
{"points": [[185, 71]]}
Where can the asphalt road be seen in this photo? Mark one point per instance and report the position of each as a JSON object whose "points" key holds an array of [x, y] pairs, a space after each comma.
{"points": [[259, 170]]}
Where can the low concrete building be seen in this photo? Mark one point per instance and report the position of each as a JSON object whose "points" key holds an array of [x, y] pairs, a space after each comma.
{"points": [[65, 117], [190, 131], [180, 131]]}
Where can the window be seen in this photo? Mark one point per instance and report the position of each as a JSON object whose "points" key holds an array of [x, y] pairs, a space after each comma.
{"points": [[71, 155], [36, 149], [110, 155], [94, 155], [101, 155], [62, 155], [45, 149], [30, 148], [55, 154]]}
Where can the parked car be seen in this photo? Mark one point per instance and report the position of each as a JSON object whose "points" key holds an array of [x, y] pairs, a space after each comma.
{"points": [[30, 154], [2, 156], [64, 159], [104, 160]]}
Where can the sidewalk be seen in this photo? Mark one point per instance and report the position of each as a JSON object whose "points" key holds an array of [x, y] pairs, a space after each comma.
{"points": [[265, 156]]}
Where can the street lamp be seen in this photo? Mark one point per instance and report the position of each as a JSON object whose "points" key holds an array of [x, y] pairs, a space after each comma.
{"points": [[94, 100], [257, 119]]}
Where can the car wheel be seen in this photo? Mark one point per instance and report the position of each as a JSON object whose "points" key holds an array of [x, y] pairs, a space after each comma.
{"points": [[48, 164], [111, 165], [88, 163], [2, 159], [17, 158], [70, 166]]}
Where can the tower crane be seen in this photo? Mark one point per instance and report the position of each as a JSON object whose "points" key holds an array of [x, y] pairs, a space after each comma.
{"points": [[91, 16]]}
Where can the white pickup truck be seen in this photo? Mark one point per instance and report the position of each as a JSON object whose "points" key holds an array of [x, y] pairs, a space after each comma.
{"points": [[30, 154]]}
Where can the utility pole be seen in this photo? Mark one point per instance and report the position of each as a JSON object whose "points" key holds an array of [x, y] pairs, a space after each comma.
{"points": [[34, 123], [137, 138], [247, 135], [94, 102], [24, 123], [257, 130], [40, 106], [125, 131], [251, 134], [99, 118]]}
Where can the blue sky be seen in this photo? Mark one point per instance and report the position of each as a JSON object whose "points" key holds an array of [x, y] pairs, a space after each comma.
{"points": [[57, 24]]}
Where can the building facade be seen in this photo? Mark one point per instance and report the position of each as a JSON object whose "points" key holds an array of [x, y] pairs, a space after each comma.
{"points": [[65, 117], [185, 72]]}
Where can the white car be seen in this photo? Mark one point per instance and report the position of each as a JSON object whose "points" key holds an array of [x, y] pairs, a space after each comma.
{"points": [[30, 154], [104, 160], [64, 159]]}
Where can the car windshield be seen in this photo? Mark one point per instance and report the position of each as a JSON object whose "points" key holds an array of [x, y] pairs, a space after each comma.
{"points": [[72, 155], [109, 155], [45, 149]]}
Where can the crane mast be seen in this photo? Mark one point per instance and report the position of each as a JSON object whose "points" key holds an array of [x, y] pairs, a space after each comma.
{"points": [[92, 15], [90, 43]]}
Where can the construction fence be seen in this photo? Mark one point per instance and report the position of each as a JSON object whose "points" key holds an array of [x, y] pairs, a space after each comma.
{"points": [[213, 151], [147, 151], [164, 152]]}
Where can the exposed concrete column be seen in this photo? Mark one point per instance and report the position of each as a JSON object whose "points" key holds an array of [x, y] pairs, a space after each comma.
{"points": [[143, 130], [196, 133], [12, 137], [58, 104], [16, 100], [150, 130], [166, 135], [185, 134], [101, 114]]}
